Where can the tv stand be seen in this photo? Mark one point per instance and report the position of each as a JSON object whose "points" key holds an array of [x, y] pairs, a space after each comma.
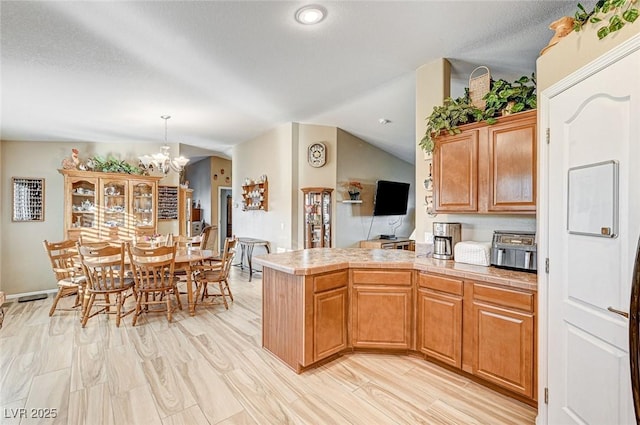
{"points": [[398, 243], [388, 237]]}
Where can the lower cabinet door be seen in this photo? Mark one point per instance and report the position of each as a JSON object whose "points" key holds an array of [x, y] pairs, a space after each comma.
{"points": [[330, 322], [504, 347], [381, 317], [440, 326]]}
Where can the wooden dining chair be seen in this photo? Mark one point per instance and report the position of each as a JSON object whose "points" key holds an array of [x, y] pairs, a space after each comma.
{"points": [[67, 271], [153, 272], [216, 274], [210, 239], [104, 267]]}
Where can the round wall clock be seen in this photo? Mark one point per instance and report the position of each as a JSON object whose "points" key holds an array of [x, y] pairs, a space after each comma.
{"points": [[317, 154]]}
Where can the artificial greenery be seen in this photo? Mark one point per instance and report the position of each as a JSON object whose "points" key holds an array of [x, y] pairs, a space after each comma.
{"points": [[622, 12], [448, 117], [510, 97], [503, 97], [113, 165]]}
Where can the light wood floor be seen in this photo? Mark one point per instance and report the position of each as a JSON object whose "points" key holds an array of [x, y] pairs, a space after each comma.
{"points": [[211, 369]]}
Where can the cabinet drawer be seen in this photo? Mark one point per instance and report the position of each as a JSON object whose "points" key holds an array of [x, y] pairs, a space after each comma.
{"points": [[399, 277], [442, 284], [504, 297], [330, 281]]}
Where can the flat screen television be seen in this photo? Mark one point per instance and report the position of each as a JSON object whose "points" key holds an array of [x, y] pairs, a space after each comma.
{"points": [[391, 198]]}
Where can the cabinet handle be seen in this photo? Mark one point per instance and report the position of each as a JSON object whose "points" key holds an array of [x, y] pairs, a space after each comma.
{"points": [[621, 313]]}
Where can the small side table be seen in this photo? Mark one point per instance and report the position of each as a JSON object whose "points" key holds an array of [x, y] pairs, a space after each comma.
{"points": [[247, 245]]}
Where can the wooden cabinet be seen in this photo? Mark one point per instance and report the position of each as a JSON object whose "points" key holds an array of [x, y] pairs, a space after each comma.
{"points": [[317, 217], [109, 205], [255, 196], [185, 205], [504, 338], [381, 309], [455, 167], [439, 327], [330, 312], [196, 214], [487, 168], [406, 244]]}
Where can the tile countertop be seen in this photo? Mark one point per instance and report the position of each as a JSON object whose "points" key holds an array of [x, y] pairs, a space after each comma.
{"points": [[321, 260]]}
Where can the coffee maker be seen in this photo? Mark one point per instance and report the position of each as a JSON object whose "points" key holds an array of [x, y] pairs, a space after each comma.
{"points": [[445, 237]]}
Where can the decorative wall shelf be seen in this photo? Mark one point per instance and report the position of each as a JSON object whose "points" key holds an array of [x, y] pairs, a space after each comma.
{"points": [[255, 196]]}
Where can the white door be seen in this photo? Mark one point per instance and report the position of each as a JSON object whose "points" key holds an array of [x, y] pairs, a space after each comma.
{"points": [[593, 121]]}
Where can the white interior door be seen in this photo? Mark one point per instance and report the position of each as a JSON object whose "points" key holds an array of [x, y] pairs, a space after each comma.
{"points": [[593, 121]]}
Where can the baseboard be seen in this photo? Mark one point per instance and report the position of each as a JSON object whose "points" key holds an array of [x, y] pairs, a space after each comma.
{"points": [[23, 294]]}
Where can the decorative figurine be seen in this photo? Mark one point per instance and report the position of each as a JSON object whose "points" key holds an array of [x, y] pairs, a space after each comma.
{"points": [[72, 162], [562, 27]]}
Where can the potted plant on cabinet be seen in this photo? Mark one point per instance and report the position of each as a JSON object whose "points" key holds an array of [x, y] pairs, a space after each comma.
{"points": [[354, 188], [503, 98]]}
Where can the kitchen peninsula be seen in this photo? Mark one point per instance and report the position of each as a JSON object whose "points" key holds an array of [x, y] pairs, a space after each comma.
{"points": [[479, 321]]}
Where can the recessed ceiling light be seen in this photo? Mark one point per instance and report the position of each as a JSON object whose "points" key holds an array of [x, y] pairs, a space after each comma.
{"points": [[384, 121], [312, 14]]}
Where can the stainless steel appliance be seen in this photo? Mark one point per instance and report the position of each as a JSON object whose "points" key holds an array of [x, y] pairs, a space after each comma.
{"points": [[514, 250], [445, 237]]}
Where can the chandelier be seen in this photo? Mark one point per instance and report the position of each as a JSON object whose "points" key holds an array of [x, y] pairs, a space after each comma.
{"points": [[162, 161]]}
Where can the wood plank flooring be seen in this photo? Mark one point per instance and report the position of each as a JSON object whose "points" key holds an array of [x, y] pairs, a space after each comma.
{"points": [[211, 369]]}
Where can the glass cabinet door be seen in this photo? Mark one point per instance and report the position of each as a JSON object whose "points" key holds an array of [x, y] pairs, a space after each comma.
{"points": [[326, 219], [83, 219], [114, 208], [143, 205], [317, 217]]}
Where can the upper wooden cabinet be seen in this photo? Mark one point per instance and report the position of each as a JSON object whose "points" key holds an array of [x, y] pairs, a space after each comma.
{"points": [[109, 205], [488, 168]]}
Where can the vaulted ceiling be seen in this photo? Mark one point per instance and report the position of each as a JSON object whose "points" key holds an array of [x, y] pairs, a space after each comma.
{"points": [[227, 71]]}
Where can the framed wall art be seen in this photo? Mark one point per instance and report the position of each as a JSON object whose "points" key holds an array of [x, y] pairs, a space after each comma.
{"points": [[27, 195]]}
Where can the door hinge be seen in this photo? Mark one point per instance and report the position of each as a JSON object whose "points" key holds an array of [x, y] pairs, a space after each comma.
{"points": [[546, 265], [548, 135], [546, 396]]}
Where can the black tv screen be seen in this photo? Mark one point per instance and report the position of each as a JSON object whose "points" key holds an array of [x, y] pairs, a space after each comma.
{"points": [[391, 198]]}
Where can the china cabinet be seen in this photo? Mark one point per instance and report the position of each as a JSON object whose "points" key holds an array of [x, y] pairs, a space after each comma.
{"points": [[109, 205], [317, 217]]}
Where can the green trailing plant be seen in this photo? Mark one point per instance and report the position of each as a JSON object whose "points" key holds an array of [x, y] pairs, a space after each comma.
{"points": [[619, 12], [503, 96], [448, 117], [510, 97], [113, 165]]}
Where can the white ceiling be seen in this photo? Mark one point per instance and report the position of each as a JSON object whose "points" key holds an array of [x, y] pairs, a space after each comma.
{"points": [[227, 71]]}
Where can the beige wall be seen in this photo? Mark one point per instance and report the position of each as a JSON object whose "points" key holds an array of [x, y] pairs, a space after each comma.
{"points": [[576, 50], [433, 85], [360, 161], [272, 154], [309, 176], [24, 266]]}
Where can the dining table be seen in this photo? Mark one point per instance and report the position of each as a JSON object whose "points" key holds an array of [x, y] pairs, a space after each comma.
{"points": [[185, 259]]}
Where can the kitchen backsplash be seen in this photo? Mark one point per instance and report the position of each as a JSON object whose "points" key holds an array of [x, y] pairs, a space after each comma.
{"points": [[478, 227]]}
